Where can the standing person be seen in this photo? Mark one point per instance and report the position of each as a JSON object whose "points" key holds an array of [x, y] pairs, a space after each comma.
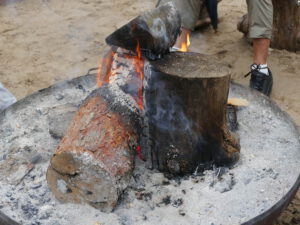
{"points": [[260, 29], [260, 14]]}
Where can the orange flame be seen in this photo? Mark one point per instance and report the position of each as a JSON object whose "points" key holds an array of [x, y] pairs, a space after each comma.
{"points": [[105, 71], [139, 67], [185, 44]]}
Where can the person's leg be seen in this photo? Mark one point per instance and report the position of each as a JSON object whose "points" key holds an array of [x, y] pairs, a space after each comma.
{"points": [[260, 50], [260, 14]]}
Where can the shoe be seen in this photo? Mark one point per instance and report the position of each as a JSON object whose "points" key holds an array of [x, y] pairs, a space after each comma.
{"points": [[260, 81]]}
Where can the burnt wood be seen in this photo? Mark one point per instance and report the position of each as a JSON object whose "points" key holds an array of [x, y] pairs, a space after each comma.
{"points": [[155, 30], [94, 161], [185, 101]]}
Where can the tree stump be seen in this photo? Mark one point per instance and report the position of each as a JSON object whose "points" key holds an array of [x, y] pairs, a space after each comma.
{"points": [[286, 25], [286, 31], [94, 160], [185, 102]]}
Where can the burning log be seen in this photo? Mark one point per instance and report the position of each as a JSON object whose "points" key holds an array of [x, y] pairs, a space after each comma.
{"points": [[185, 97], [155, 31], [94, 160]]}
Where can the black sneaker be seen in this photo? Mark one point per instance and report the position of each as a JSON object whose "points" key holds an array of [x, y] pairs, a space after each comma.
{"points": [[260, 81]]}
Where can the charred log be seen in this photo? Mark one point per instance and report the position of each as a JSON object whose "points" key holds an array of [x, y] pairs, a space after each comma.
{"points": [[155, 31], [94, 160], [186, 98]]}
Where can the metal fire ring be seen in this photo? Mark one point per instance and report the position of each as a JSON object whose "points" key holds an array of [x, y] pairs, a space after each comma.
{"points": [[87, 83]]}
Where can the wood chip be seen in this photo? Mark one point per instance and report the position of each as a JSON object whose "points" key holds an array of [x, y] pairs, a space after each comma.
{"points": [[237, 102]]}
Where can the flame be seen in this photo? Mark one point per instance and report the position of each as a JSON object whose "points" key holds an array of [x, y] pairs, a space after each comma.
{"points": [[139, 67], [105, 72], [185, 44]]}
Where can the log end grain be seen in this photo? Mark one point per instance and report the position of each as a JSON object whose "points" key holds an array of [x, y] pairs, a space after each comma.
{"points": [[73, 178], [191, 65]]}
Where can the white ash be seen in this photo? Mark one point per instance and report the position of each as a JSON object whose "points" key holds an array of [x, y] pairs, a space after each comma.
{"points": [[268, 168], [62, 186]]}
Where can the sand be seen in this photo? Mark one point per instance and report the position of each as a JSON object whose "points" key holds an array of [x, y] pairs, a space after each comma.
{"points": [[46, 41]]}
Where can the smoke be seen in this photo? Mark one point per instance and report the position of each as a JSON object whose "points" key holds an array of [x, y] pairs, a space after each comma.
{"points": [[163, 107], [167, 111]]}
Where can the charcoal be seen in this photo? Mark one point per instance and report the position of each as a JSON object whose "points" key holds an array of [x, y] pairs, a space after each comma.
{"points": [[156, 31]]}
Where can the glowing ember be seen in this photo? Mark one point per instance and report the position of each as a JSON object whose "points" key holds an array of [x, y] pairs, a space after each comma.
{"points": [[106, 71], [186, 44], [139, 153]]}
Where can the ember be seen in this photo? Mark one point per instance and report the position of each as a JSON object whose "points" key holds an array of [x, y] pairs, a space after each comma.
{"points": [[106, 72], [185, 128]]}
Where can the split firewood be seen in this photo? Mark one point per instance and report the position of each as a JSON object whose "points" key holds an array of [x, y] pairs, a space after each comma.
{"points": [[186, 98], [156, 31], [94, 161], [237, 102]]}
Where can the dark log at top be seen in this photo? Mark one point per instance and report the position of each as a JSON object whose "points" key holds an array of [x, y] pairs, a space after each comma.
{"points": [[186, 98], [155, 30]]}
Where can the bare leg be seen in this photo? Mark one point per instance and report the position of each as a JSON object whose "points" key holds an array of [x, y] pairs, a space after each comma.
{"points": [[260, 49], [261, 76]]}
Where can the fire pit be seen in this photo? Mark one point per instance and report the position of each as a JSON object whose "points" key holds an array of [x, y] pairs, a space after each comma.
{"points": [[169, 110], [252, 192]]}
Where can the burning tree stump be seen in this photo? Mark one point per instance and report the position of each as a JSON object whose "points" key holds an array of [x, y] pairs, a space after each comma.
{"points": [[186, 99], [94, 161], [286, 25]]}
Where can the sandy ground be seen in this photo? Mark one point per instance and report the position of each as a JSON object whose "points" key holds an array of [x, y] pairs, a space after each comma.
{"points": [[46, 41]]}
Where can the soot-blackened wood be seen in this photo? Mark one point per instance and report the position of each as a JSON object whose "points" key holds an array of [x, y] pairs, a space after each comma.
{"points": [[155, 30], [286, 25], [94, 160], [186, 98]]}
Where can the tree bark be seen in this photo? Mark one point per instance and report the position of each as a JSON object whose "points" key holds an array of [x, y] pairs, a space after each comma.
{"points": [[94, 160], [286, 29], [186, 97], [286, 25]]}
